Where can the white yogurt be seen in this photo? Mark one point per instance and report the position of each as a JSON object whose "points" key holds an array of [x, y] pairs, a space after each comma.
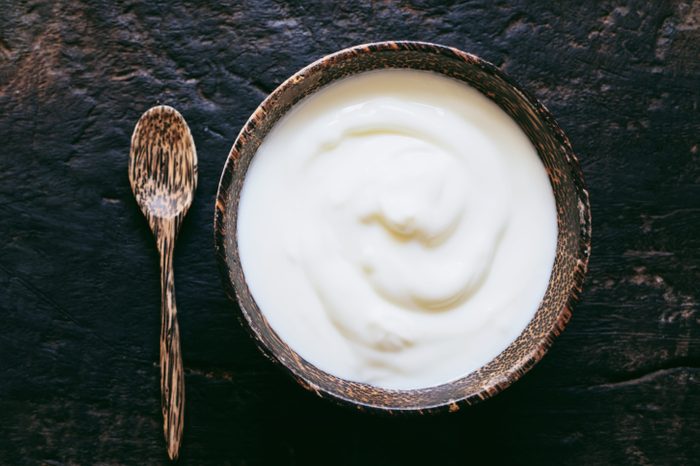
{"points": [[397, 228]]}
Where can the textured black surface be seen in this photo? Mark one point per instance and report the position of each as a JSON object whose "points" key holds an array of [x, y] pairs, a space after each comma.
{"points": [[79, 285]]}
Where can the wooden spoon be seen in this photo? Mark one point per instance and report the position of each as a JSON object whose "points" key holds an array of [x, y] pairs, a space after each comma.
{"points": [[163, 177]]}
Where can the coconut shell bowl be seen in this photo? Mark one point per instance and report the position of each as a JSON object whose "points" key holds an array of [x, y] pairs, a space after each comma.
{"points": [[573, 220]]}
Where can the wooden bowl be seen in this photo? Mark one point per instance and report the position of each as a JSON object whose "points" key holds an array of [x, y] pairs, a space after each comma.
{"points": [[573, 220]]}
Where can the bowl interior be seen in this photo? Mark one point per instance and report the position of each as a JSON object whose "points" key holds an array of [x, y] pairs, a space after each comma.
{"points": [[573, 220]]}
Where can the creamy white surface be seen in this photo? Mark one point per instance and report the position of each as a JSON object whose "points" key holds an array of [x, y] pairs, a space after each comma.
{"points": [[397, 228]]}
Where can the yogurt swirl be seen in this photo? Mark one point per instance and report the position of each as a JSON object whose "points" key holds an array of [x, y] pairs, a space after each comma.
{"points": [[397, 228]]}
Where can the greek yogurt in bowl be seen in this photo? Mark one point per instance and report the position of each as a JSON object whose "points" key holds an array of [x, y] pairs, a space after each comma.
{"points": [[397, 228]]}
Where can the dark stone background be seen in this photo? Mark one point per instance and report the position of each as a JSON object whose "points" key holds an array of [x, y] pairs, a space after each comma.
{"points": [[79, 289]]}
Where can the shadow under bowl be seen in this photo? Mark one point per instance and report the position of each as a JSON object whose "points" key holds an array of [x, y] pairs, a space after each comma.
{"points": [[573, 221]]}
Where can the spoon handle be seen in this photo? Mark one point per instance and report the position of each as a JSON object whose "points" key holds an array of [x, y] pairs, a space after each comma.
{"points": [[172, 378]]}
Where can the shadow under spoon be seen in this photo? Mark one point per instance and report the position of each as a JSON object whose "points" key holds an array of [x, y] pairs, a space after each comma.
{"points": [[163, 177]]}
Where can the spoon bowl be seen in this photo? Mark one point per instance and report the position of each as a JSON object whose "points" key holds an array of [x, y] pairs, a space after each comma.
{"points": [[163, 164]]}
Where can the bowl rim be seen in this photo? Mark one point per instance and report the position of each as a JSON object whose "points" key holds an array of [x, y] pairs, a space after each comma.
{"points": [[516, 371]]}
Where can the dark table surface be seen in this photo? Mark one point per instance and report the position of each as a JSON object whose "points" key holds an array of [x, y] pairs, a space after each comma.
{"points": [[79, 282]]}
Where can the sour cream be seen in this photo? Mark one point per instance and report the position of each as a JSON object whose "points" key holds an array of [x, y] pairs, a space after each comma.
{"points": [[397, 228]]}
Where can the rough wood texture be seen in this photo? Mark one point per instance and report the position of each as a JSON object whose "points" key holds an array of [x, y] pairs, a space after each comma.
{"points": [[79, 286], [573, 222], [163, 177]]}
